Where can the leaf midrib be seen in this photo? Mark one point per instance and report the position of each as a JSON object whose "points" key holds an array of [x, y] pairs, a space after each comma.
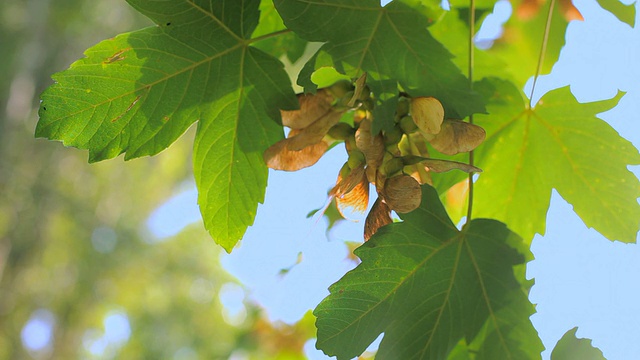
{"points": [[152, 84], [399, 284], [487, 300]]}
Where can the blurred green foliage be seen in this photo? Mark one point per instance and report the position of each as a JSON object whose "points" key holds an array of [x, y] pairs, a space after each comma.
{"points": [[73, 239]]}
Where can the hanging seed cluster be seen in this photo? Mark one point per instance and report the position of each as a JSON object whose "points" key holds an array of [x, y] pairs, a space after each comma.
{"points": [[396, 161]]}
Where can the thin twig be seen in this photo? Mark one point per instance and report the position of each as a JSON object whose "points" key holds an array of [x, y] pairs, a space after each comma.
{"points": [[543, 50]]}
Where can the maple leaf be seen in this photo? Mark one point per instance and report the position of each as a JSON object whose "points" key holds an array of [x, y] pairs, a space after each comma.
{"points": [[559, 144], [410, 56], [138, 92], [426, 285]]}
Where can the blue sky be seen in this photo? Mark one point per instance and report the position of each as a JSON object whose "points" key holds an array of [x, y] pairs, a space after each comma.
{"points": [[582, 279]]}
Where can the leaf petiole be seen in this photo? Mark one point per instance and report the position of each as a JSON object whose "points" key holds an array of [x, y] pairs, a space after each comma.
{"points": [[472, 27]]}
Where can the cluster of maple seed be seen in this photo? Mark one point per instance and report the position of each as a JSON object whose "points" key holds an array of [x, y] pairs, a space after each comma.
{"points": [[395, 161]]}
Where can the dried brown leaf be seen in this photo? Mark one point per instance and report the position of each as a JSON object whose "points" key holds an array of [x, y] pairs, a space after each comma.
{"points": [[379, 216], [457, 136], [427, 113], [402, 193]]}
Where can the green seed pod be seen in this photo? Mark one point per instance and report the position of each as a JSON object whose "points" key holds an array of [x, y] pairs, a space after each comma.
{"points": [[365, 94], [393, 136], [350, 143], [341, 88], [341, 131], [345, 170], [404, 104], [368, 104], [392, 166], [343, 102], [407, 125], [356, 158]]}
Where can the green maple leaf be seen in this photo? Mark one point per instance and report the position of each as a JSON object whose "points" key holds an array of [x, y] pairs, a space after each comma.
{"points": [[287, 43], [138, 92], [625, 13], [521, 41], [453, 32], [427, 285], [391, 43], [561, 145], [569, 347]]}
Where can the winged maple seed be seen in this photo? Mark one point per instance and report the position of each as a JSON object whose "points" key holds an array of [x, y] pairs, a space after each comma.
{"points": [[457, 136], [379, 216], [402, 193], [351, 191], [396, 161], [427, 113]]}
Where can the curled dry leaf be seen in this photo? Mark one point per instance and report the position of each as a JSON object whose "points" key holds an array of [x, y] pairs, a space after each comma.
{"points": [[457, 136], [379, 216], [312, 108], [402, 193], [280, 157], [427, 113], [371, 146]]}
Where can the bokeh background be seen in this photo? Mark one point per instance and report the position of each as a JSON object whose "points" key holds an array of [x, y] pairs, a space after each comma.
{"points": [[110, 260], [81, 274]]}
